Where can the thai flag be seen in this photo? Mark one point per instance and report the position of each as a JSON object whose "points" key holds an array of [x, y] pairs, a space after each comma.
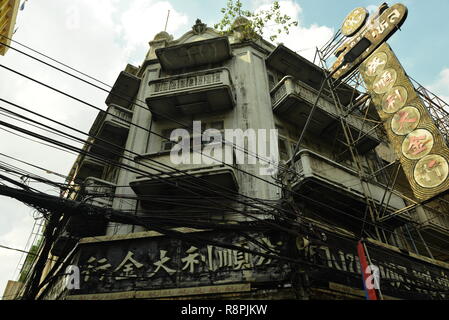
{"points": [[371, 293]]}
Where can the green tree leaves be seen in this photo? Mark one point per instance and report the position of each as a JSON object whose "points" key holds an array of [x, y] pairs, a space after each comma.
{"points": [[253, 27]]}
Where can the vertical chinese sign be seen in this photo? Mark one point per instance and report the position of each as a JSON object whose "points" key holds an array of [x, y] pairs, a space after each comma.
{"points": [[419, 144]]}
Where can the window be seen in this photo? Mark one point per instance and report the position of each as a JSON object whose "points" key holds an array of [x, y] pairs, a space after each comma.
{"points": [[271, 81], [110, 173], [167, 145], [283, 151], [283, 143]]}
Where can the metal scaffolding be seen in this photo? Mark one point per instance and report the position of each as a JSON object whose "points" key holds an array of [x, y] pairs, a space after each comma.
{"points": [[439, 111], [437, 107]]}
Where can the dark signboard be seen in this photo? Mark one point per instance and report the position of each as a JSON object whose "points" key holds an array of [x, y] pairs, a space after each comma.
{"points": [[401, 275], [153, 263], [161, 263]]}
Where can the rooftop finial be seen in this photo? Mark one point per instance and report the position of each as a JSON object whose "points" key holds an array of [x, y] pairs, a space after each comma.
{"points": [[199, 27]]}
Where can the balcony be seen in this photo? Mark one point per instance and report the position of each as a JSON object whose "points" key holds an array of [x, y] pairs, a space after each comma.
{"points": [[193, 54], [89, 167], [118, 117], [434, 221], [124, 90], [96, 192], [293, 101], [321, 180], [192, 93], [211, 176], [289, 62], [113, 127], [99, 192]]}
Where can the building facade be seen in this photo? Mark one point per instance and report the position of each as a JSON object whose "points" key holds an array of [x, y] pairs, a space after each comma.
{"points": [[229, 82]]}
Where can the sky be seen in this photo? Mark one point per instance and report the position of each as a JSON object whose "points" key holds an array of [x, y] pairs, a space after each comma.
{"points": [[100, 37]]}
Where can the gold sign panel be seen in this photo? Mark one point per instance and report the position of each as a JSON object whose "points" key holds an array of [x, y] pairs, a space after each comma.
{"points": [[366, 34], [354, 21], [422, 150]]}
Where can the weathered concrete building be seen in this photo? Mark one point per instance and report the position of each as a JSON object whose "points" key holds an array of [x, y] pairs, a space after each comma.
{"points": [[227, 82]]}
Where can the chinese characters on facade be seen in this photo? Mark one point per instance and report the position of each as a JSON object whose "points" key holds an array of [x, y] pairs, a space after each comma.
{"points": [[191, 261]]}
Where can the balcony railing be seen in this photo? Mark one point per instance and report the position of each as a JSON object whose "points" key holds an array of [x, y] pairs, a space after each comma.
{"points": [[286, 61], [435, 221], [293, 100], [95, 192], [318, 176], [89, 167], [118, 116], [112, 128], [288, 85], [160, 178], [192, 93], [99, 192]]}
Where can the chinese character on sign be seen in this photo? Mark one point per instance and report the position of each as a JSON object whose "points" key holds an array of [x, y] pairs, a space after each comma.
{"points": [[432, 167], [192, 259], [352, 21], [393, 99], [94, 266], [378, 28], [417, 144], [270, 247], [224, 258], [161, 264], [384, 81], [404, 119], [242, 260], [128, 267], [374, 64]]}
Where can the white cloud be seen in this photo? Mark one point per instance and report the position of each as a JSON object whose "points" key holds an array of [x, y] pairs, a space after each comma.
{"points": [[372, 8], [97, 37], [144, 19], [302, 39], [16, 227], [441, 86]]}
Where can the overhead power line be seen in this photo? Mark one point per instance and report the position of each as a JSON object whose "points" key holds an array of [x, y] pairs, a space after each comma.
{"points": [[278, 186], [186, 126], [185, 173], [132, 169], [302, 196], [135, 104]]}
